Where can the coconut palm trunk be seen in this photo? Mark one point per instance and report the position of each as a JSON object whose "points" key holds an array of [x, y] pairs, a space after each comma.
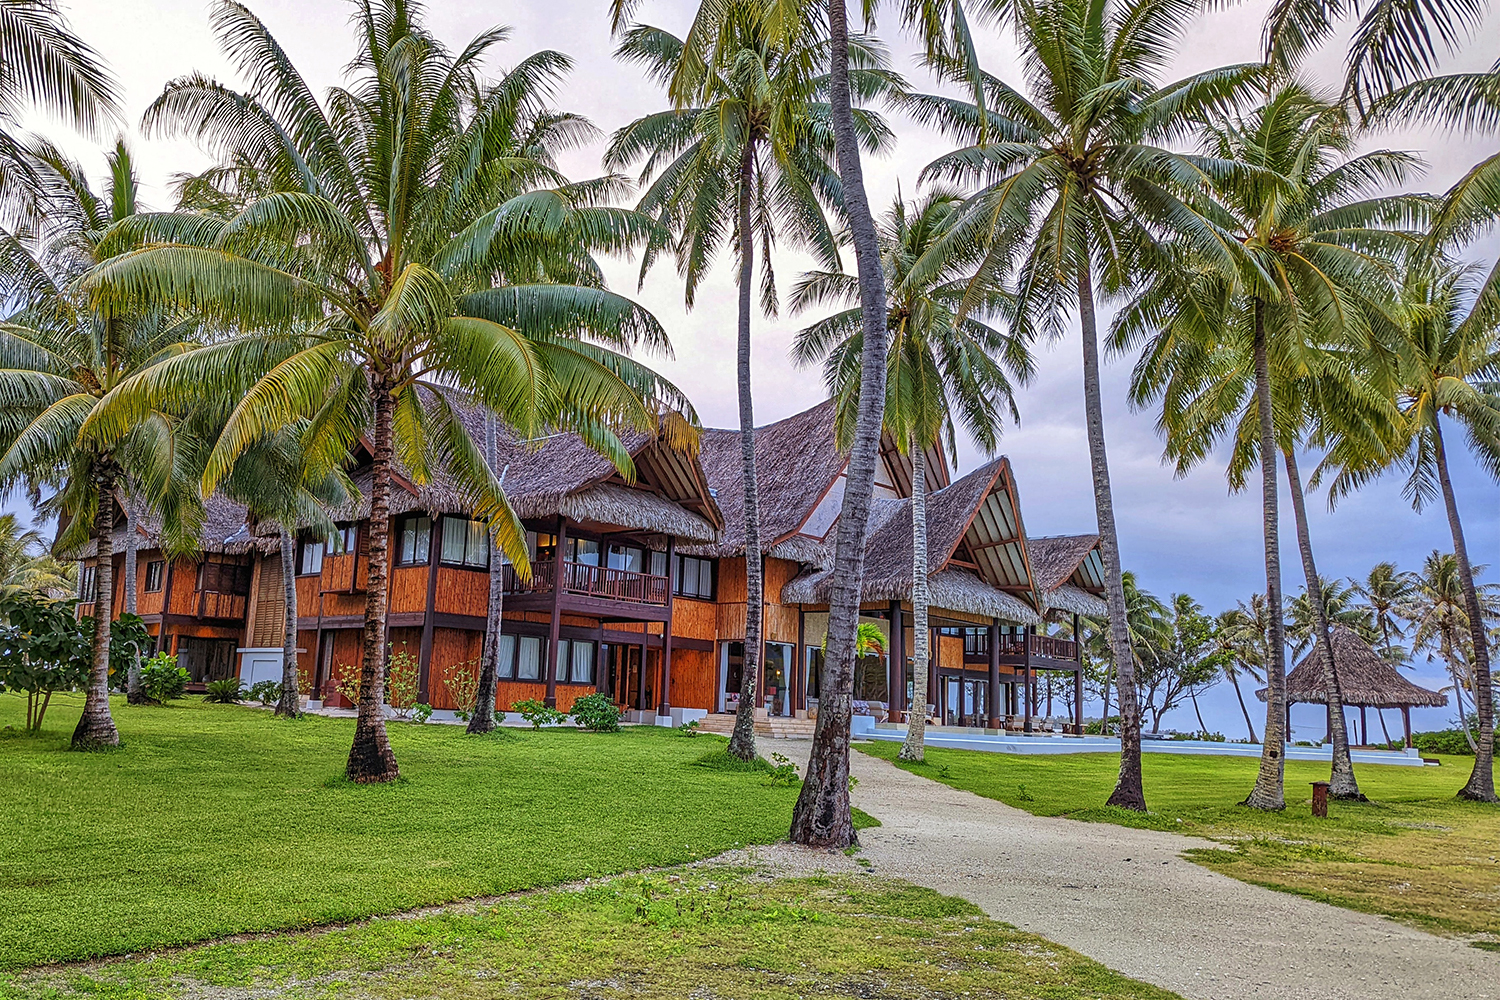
{"points": [[821, 817], [1481, 784], [1269, 792], [370, 758], [289, 705], [96, 728], [916, 718], [482, 715], [1342, 783], [742, 741], [134, 694], [1234, 678], [1129, 792]]}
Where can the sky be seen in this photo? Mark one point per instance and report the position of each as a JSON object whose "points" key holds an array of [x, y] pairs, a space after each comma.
{"points": [[1178, 534]]}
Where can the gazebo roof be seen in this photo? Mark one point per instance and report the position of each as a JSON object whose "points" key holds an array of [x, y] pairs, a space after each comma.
{"points": [[1365, 678]]}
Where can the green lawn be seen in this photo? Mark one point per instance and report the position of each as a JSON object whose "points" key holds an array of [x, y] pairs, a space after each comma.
{"points": [[711, 932], [215, 819], [1414, 852]]}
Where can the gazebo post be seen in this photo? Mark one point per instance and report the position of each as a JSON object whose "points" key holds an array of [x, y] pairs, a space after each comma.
{"points": [[1364, 727], [1406, 722]]}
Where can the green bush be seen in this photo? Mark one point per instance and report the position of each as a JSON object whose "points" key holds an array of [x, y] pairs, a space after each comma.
{"points": [[537, 713], [721, 759], [597, 713], [43, 649], [227, 691], [266, 692], [128, 639], [1450, 741], [162, 679]]}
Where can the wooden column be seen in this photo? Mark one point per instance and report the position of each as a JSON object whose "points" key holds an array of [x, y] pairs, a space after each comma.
{"points": [[558, 567], [1406, 723], [640, 681], [1077, 677], [434, 536], [992, 701], [1026, 677], [1364, 727], [166, 606], [601, 672], [799, 665], [933, 677], [664, 707], [896, 674]]}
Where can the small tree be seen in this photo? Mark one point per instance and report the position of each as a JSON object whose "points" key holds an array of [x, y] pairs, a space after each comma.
{"points": [[43, 649]]}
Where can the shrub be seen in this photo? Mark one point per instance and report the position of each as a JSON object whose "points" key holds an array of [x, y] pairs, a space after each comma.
{"points": [[42, 649], [720, 759], [403, 682], [537, 713], [162, 679], [783, 771], [128, 639], [1096, 728], [597, 713], [1449, 741], [421, 712], [224, 692], [462, 682], [266, 692], [689, 728], [346, 682]]}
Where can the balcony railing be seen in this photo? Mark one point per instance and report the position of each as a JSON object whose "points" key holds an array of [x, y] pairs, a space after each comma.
{"points": [[591, 581], [1013, 646]]}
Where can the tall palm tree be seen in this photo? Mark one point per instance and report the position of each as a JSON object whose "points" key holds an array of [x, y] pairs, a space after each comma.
{"points": [[745, 155], [418, 233], [1385, 591], [59, 358], [1075, 179], [1341, 606], [941, 365], [1447, 366], [1439, 612], [1239, 638], [1267, 353]]}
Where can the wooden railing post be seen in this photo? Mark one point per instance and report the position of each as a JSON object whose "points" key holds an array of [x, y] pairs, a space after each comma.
{"points": [[665, 706], [1026, 677], [558, 586]]}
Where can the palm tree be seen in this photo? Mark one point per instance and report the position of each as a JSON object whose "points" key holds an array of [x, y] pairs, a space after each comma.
{"points": [[1239, 639], [25, 564], [1075, 181], [745, 153], [48, 68], [940, 366], [407, 247], [1341, 606], [1447, 365], [1269, 352], [1439, 611], [1385, 591]]}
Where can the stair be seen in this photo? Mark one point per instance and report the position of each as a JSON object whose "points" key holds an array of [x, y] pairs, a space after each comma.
{"points": [[771, 727]]}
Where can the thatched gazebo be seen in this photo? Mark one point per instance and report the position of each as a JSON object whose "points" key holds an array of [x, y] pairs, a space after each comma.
{"points": [[1366, 680]]}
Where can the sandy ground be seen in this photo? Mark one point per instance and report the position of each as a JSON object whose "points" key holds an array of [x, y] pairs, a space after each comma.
{"points": [[1127, 899]]}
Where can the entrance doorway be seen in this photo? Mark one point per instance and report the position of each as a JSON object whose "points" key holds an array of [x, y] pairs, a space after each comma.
{"points": [[206, 659], [624, 666]]}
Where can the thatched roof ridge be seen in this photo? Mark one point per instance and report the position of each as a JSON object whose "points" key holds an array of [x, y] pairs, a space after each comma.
{"points": [[1365, 678], [1075, 600], [224, 532], [952, 589], [1055, 558], [796, 461], [888, 549]]}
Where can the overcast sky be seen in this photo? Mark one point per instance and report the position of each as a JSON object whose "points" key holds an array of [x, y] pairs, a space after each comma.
{"points": [[1178, 535]]}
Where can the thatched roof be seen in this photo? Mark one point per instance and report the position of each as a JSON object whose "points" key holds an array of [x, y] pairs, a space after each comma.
{"points": [[951, 589], [223, 531], [1075, 600], [1069, 573], [1365, 678]]}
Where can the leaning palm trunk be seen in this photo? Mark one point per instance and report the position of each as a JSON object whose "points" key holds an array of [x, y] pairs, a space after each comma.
{"points": [[1129, 792], [822, 817], [1342, 783], [1481, 784], [289, 704], [1268, 792], [742, 742], [1234, 679], [370, 758], [134, 694], [916, 720], [482, 714], [96, 728]]}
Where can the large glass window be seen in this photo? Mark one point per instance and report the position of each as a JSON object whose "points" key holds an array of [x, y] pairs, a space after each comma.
{"points": [[505, 664], [310, 558], [154, 571], [694, 578], [543, 546], [627, 557], [465, 542], [529, 658], [584, 551], [224, 578], [343, 538], [413, 540], [575, 661]]}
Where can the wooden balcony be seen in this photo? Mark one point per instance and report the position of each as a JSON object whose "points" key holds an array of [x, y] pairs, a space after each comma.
{"points": [[1014, 648], [215, 605], [599, 582]]}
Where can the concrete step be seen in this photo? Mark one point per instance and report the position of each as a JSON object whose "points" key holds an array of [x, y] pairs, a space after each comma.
{"points": [[772, 727]]}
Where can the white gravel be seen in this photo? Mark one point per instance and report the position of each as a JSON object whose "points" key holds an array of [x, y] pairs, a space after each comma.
{"points": [[1127, 899]]}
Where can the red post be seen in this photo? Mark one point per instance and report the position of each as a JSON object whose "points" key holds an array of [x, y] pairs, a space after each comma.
{"points": [[1320, 800]]}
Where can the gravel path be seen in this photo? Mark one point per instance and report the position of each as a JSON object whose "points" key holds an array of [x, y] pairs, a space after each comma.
{"points": [[1127, 899]]}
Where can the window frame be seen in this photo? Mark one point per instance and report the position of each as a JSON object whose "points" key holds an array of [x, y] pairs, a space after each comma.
{"points": [[470, 535], [422, 557], [303, 544], [678, 576], [158, 569]]}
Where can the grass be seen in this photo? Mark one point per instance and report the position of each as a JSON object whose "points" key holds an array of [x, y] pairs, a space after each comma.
{"points": [[1414, 852], [703, 931], [215, 820]]}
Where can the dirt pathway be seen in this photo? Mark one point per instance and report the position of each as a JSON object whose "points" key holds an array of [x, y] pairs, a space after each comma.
{"points": [[1127, 899]]}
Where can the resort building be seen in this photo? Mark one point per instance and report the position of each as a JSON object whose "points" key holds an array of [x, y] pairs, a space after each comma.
{"points": [[637, 588]]}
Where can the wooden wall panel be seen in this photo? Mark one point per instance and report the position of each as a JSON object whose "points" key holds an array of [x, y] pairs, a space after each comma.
{"points": [[347, 654], [270, 603], [695, 619], [409, 588], [507, 693], [450, 646], [780, 623], [184, 599], [308, 596], [950, 651], [462, 591], [206, 631], [731, 625], [779, 572], [693, 679], [335, 605], [338, 572], [731, 581]]}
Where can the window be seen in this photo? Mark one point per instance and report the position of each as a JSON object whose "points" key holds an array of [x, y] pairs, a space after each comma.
{"points": [[310, 558], [154, 571], [584, 551], [542, 546], [87, 581], [224, 578], [505, 656], [342, 540], [627, 557], [658, 564], [465, 542], [413, 540], [694, 578], [575, 661], [529, 658]]}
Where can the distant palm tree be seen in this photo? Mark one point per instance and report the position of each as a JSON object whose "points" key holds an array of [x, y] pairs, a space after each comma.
{"points": [[27, 566], [943, 369], [1240, 638], [1341, 606], [1385, 591], [1077, 181], [1439, 610], [418, 238], [745, 155]]}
